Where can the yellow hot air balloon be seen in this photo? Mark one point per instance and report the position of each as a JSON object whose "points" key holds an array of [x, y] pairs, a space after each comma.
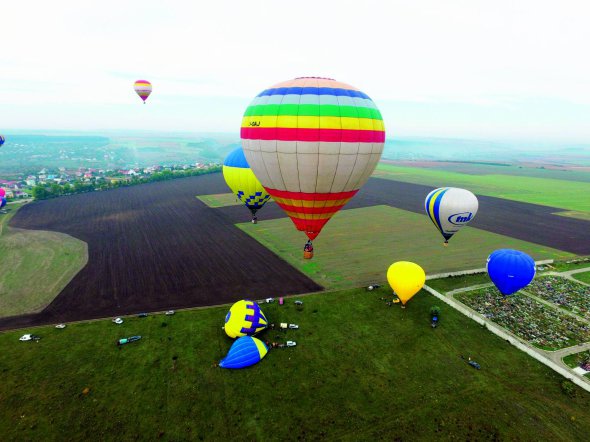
{"points": [[406, 279]]}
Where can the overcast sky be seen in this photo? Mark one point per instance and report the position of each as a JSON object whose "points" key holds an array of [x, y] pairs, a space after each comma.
{"points": [[489, 69]]}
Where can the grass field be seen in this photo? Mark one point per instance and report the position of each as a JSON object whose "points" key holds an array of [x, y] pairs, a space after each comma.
{"points": [[361, 371], [373, 238], [584, 277], [35, 266], [220, 200], [584, 216], [568, 195]]}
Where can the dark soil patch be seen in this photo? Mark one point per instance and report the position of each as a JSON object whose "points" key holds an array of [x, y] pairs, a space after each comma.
{"points": [[154, 247]]}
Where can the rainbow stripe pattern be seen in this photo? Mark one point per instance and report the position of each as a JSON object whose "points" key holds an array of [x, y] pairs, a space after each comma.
{"points": [[143, 88], [312, 142]]}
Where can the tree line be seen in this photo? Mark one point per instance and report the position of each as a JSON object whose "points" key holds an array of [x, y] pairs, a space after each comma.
{"points": [[54, 190]]}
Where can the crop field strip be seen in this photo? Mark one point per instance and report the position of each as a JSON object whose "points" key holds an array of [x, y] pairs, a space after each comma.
{"points": [[109, 285], [527, 222], [154, 247], [371, 238]]}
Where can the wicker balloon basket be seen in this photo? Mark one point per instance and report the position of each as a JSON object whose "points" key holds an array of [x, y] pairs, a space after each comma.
{"points": [[307, 255]]}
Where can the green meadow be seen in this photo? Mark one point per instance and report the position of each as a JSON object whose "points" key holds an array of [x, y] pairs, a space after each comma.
{"points": [[35, 266], [358, 245], [567, 195], [360, 371]]}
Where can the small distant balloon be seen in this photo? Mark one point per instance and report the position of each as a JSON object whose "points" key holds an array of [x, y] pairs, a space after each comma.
{"points": [[2, 192], [244, 318], [3, 202], [510, 270], [244, 352], [406, 279], [450, 208], [2, 140], [143, 88]]}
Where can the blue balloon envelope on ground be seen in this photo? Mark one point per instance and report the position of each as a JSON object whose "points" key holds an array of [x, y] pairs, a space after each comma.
{"points": [[3, 202], [244, 352], [510, 270]]}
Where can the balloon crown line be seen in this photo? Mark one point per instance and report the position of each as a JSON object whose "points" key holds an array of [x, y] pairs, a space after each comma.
{"points": [[317, 78]]}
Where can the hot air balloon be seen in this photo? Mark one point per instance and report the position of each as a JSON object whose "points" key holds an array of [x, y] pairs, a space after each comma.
{"points": [[242, 181], [143, 88], [2, 202], [510, 270], [245, 351], [2, 140], [312, 142], [2, 192], [244, 318], [406, 279], [450, 208]]}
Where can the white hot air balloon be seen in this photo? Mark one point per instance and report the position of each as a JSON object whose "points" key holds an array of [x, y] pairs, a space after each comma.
{"points": [[450, 208]]}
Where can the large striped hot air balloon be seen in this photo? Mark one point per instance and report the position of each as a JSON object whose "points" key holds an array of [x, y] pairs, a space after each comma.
{"points": [[312, 142], [143, 88], [243, 183]]}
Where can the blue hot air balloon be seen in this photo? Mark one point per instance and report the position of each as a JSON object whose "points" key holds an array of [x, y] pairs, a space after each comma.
{"points": [[244, 352], [3, 202], [2, 140], [510, 270]]}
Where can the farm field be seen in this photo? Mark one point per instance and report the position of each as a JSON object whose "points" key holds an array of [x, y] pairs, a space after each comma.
{"points": [[354, 354], [564, 194], [545, 327], [35, 266], [373, 238], [584, 277], [576, 215], [154, 247], [220, 200]]}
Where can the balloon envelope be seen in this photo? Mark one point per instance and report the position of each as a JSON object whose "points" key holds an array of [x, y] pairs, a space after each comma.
{"points": [[3, 202], [244, 318], [244, 352], [2, 140], [312, 142], [450, 208], [406, 279], [242, 181], [143, 88], [2, 193], [510, 270]]}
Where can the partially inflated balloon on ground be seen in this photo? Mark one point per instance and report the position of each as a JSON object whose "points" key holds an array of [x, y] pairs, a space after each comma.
{"points": [[244, 318], [313, 143], [143, 88], [246, 351], [450, 208], [3, 202], [510, 270], [242, 181], [406, 279]]}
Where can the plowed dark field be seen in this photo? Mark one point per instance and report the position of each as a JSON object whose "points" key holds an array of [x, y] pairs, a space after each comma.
{"points": [[156, 246]]}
